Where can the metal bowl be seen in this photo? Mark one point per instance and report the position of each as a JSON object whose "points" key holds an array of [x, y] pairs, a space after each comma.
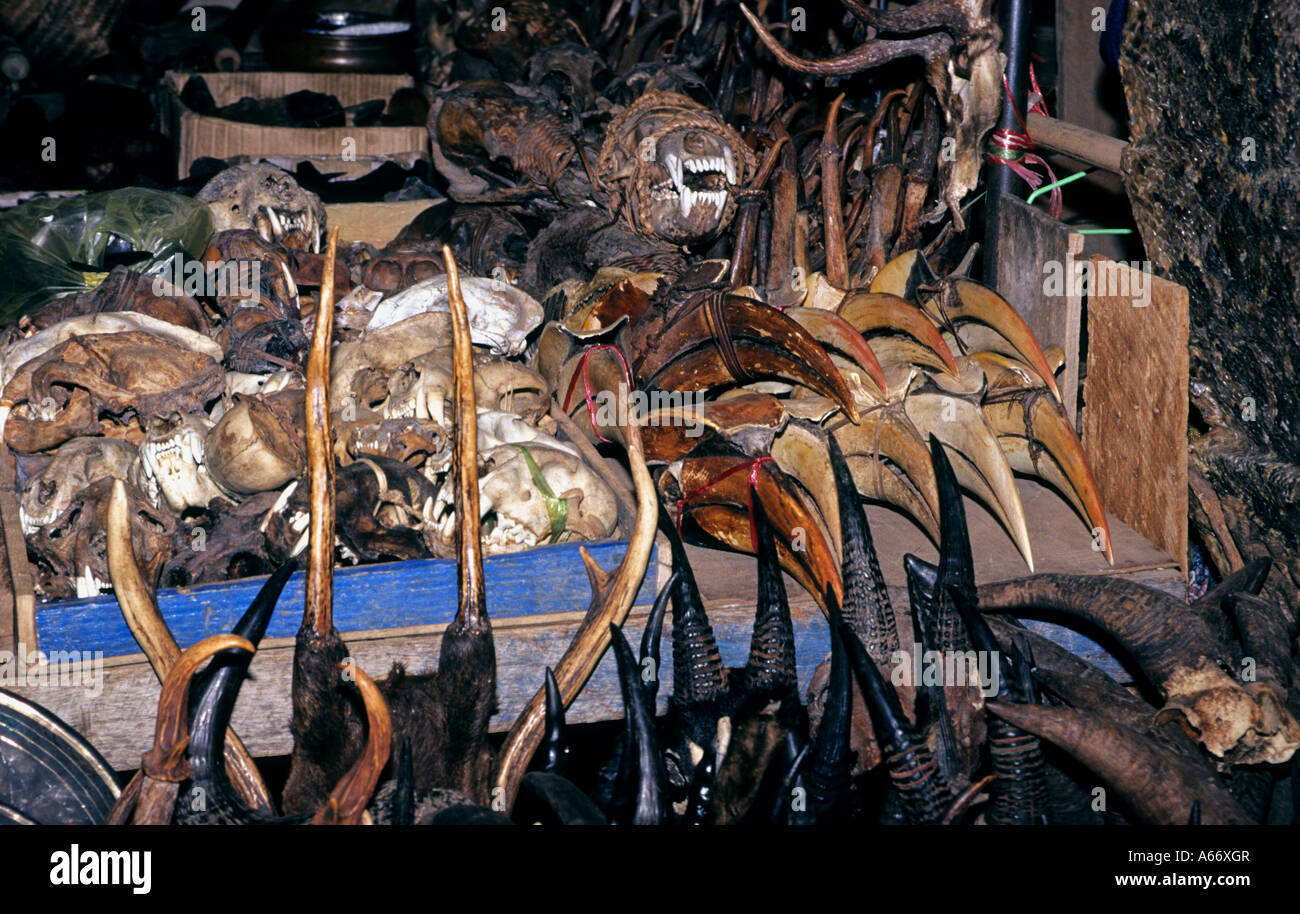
{"points": [[340, 41]]}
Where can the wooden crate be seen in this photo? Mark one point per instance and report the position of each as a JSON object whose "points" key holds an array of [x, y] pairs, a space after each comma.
{"points": [[196, 135]]}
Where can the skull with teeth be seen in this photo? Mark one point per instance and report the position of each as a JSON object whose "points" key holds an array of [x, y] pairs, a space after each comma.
{"points": [[384, 508], [170, 467], [268, 200], [673, 166], [422, 388], [578, 504], [76, 464], [70, 554]]}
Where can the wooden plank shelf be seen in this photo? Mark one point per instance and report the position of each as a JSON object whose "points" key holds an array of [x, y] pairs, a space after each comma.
{"points": [[118, 717]]}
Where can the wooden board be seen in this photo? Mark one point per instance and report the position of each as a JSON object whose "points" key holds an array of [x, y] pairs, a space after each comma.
{"points": [[1085, 93], [1135, 401], [548, 580], [116, 711], [376, 223], [1030, 244]]}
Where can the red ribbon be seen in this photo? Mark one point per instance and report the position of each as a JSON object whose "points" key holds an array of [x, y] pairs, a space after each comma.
{"points": [[586, 382], [752, 466], [1016, 155]]}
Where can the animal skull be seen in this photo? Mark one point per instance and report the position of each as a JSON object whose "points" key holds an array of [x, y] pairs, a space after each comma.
{"points": [[76, 464], [71, 554], [500, 316], [523, 516], [422, 388], [171, 467], [266, 199]]}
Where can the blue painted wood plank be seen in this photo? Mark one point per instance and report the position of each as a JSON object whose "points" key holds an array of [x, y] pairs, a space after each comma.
{"points": [[548, 579]]}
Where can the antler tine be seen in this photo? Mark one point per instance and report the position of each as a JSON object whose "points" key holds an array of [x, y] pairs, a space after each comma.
{"points": [[140, 610], [872, 54], [611, 600]]}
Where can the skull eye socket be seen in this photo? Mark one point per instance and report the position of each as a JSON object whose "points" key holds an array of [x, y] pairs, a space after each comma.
{"points": [[45, 491]]}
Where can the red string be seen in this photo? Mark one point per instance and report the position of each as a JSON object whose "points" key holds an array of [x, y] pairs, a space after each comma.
{"points": [[586, 382], [752, 466], [1015, 150], [1039, 106]]}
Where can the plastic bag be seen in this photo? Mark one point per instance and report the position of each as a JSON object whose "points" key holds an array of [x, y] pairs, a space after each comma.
{"points": [[45, 244]]}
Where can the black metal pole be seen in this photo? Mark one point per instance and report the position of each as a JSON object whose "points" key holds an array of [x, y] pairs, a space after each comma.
{"points": [[1013, 17]]}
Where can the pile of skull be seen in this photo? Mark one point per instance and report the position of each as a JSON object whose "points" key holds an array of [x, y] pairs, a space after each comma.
{"points": [[196, 400]]}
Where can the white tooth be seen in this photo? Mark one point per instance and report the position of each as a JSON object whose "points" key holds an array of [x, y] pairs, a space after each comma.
{"points": [[688, 201], [86, 585], [300, 522], [276, 225], [288, 278], [302, 543], [675, 169], [731, 165]]}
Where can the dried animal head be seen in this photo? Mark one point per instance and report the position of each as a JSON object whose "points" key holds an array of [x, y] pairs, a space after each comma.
{"points": [[673, 165], [76, 464], [71, 553], [263, 198], [64, 392]]}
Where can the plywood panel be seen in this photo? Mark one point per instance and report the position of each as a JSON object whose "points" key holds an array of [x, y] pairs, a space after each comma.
{"points": [[1030, 243], [1135, 401]]}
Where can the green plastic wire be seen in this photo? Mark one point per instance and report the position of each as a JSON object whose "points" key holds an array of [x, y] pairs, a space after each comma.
{"points": [[1061, 183], [1103, 231]]}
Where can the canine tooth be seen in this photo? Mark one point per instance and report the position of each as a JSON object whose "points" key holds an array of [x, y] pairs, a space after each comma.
{"points": [[731, 166], [302, 543], [689, 200], [276, 225], [299, 522]]}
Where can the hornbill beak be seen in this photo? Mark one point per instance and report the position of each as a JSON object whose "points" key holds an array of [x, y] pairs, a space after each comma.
{"points": [[726, 339], [1154, 781], [749, 419], [866, 609], [887, 457], [721, 509], [958, 422], [1038, 440], [963, 301], [347, 802], [835, 333], [643, 763], [917, 339], [898, 276], [140, 610]]}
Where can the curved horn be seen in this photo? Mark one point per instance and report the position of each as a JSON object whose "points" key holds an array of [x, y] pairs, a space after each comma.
{"points": [[347, 802], [1155, 782], [641, 748]]}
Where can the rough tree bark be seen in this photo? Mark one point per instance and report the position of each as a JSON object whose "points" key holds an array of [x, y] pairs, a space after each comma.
{"points": [[1213, 173]]}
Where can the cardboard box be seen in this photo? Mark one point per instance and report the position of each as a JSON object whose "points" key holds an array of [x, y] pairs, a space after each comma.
{"points": [[197, 135]]}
